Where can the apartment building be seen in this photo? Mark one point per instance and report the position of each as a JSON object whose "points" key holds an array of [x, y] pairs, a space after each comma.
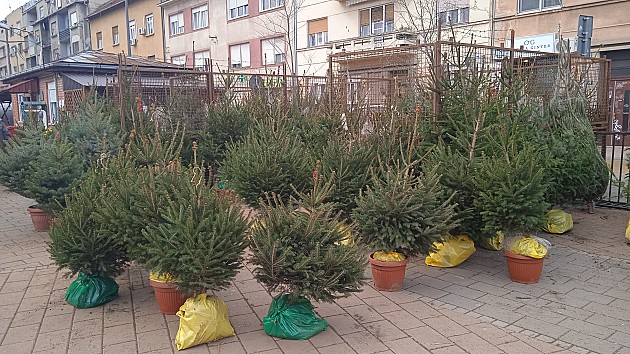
{"points": [[259, 35], [109, 33], [12, 58]]}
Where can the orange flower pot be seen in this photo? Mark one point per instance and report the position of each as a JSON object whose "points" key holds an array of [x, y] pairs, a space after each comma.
{"points": [[168, 297], [523, 269], [388, 276], [41, 219]]}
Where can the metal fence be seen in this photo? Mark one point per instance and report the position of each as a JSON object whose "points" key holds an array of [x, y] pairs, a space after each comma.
{"points": [[410, 70], [614, 149]]}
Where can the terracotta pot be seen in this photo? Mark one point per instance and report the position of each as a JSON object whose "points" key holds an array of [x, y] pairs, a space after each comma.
{"points": [[524, 269], [41, 219], [168, 297], [388, 276]]}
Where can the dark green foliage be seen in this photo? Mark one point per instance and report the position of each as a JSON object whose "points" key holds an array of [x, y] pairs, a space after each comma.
{"points": [[347, 163], [510, 191], [404, 211], [300, 252], [16, 157], [200, 241], [77, 241], [52, 174], [225, 124], [91, 130], [269, 160]]}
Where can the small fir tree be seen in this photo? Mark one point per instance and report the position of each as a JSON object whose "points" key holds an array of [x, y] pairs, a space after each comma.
{"points": [[52, 174], [404, 212], [303, 253], [200, 241], [271, 159], [16, 156]]}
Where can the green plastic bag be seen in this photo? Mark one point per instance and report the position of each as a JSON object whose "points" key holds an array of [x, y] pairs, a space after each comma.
{"points": [[292, 320], [91, 291]]}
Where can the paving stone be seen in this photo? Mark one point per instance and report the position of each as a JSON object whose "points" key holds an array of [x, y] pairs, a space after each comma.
{"points": [[496, 313], [342, 348], [121, 348], [500, 301], [473, 343], [22, 347], [445, 326], [24, 318], [429, 338], [420, 310], [86, 345], [117, 318], [586, 327], [52, 341], [150, 323], [518, 348], [403, 319], [461, 301], [385, 330], [368, 292], [364, 314], [538, 326], [245, 323], [119, 334], [296, 346], [589, 342], [257, 341], [18, 334], [620, 338], [326, 338], [364, 342], [238, 307], [405, 346], [381, 304], [153, 341], [453, 349], [95, 313], [349, 301], [428, 291], [87, 328], [13, 298], [491, 333], [344, 324], [232, 348], [464, 291]]}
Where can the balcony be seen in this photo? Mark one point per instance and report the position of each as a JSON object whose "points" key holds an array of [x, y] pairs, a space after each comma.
{"points": [[385, 40], [29, 5], [64, 35]]}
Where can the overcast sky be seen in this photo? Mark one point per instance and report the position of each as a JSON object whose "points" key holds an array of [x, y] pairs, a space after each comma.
{"points": [[6, 6]]}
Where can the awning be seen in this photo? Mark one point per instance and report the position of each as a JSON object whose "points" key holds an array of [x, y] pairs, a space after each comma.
{"points": [[80, 80], [22, 87]]}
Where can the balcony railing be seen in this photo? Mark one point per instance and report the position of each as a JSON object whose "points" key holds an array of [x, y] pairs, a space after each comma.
{"points": [[29, 4], [64, 35], [384, 40]]}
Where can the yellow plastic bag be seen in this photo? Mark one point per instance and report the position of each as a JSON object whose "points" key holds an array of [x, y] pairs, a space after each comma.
{"points": [[529, 246], [494, 243], [558, 222], [388, 256], [346, 232], [202, 319], [628, 233], [451, 252], [161, 277]]}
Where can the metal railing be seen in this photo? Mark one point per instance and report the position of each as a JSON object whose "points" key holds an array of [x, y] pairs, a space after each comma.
{"points": [[613, 146]]}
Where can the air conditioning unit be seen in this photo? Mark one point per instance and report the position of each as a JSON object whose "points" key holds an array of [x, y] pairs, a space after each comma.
{"points": [[141, 31], [133, 42], [279, 58]]}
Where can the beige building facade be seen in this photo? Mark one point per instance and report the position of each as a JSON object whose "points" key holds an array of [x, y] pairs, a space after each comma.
{"points": [[108, 28], [12, 58]]}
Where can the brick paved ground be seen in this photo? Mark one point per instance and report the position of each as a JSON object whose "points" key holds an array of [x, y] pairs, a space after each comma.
{"points": [[581, 304]]}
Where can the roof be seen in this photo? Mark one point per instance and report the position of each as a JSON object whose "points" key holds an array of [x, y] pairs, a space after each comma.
{"points": [[93, 61], [104, 7], [89, 79]]}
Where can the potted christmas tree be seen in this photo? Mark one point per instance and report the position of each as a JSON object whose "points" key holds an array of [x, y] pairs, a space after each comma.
{"points": [[78, 244], [401, 215], [198, 244], [300, 254], [50, 178]]}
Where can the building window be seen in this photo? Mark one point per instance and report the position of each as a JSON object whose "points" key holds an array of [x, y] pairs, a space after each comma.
{"points": [[237, 8], [21, 67], [99, 40], [73, 19], [270, 4], [53, 28], [200, 17], [115, 36], [177, 23], [239, 55], [455, 16], [132, 30], [179, 60], [200, 60], [377, 20], [75, 47], [317, 32], [149, 23], [41, 12], [272, 51], [3, 54], [537, 5]]}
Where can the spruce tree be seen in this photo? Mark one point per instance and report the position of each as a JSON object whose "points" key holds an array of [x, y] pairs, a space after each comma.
{"points": [[16, 156], [52, 174]]}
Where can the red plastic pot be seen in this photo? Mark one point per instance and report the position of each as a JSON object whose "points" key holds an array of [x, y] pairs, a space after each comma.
{"points": [[41, 219], [524, 269], [168, 297], [388, 276]]}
